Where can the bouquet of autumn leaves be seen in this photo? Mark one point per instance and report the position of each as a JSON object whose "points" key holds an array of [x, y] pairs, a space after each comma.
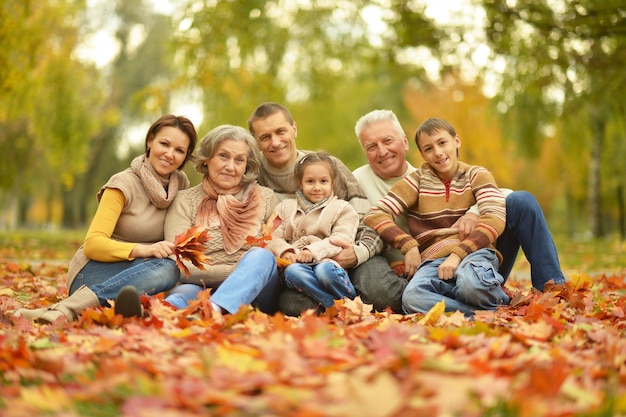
{"points": [[190, 245]]}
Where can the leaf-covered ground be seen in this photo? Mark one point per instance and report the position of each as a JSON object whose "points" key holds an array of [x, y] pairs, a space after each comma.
{"points": [[557, 353]]}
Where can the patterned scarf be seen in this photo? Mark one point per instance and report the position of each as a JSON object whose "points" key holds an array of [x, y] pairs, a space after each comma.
{"points": [[161, 191], [237, 219], [304, 202]]}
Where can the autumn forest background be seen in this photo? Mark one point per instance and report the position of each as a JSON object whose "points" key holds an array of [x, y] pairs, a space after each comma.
{"points": [[536, 90]]}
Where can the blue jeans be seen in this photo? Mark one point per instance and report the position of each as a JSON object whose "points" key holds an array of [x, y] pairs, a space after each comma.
{"points": [[526, 227], [148, 275], [322, 282], [253, 281], [476, 286]]}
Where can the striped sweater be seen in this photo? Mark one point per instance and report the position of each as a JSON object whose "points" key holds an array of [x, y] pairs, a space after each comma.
{"points": [[432, 206]]}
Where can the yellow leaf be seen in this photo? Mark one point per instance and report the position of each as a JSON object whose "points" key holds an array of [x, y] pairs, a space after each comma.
{"points": [[7, 291], [365, 395], [240, 358], [580, 280], [434, 313], [45, 398]]}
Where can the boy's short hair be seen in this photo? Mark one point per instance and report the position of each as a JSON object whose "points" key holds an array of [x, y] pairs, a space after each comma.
{"points": [[431, 125]]}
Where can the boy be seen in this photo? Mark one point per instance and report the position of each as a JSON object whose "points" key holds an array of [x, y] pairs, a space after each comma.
{"points": [[463, 273]]}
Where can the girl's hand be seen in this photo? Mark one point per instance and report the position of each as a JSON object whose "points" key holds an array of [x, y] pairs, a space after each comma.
{"points": [[305, 256], [161, 249], [290, 256]]}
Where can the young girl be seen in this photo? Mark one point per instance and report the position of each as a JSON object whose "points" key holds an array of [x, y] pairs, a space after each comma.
{"points": [[308, 221]]}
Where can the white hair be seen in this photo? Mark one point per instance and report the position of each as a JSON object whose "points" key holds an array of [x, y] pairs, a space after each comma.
{"points": [[377, 116]]}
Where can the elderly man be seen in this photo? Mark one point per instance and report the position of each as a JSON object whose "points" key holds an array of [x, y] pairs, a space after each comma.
{"points": [[381, 280]]}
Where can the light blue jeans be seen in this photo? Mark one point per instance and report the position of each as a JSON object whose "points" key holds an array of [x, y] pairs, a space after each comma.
{"points": [[476, 285], [253, 281], [322, 282], [148, 275], [526, 227]]}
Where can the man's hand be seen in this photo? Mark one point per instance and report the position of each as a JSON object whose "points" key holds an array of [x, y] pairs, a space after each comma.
{"points": [[448, 267], [466, 224], [347, 257]]}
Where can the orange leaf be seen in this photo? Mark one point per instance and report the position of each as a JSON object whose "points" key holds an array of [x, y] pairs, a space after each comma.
{"points": [[190, 246]]}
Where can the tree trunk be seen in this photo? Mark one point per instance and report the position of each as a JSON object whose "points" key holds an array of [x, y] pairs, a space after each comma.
{"points": [[620, 207], [598, 127]]}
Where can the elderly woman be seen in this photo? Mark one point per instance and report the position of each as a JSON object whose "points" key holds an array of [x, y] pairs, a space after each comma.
{"points": [[231, 204]]}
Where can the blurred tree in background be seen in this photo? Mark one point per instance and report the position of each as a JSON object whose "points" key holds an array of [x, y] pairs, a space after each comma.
{"points": [[534, 89], [45, 104], [565, 69]]}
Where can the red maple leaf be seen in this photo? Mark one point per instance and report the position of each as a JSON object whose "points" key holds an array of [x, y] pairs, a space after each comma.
{"points": [[266, 234], [190, 246]]}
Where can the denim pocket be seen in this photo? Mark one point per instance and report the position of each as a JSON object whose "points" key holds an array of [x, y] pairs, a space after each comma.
{"points": [[486, 274]]}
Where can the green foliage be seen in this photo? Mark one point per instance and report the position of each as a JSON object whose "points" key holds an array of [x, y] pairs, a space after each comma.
{"points": [[564, 64], [64, 123], [45, 110]]}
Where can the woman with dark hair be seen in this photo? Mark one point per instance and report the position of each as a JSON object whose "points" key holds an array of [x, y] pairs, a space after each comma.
{"points": [[125, 245]]}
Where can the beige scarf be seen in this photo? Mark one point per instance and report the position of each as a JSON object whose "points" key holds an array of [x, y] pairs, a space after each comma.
{"points": [[237, 219], [161, 191]]}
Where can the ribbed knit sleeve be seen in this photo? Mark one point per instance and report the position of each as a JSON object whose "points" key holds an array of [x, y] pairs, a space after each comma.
{"points": [[382, 215], [432, 207], [492, 213]]}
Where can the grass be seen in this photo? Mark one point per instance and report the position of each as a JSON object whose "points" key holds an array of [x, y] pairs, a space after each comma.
{"points": [[40, 245], [576, 256]]}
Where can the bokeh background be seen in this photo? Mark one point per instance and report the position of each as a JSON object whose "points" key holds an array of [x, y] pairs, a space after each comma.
{"points": [[536, 90]]}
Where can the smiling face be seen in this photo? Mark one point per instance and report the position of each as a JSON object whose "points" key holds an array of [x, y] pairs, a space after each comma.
{"points": [[168, 150], [385, 148], [317, 181], [227, 166], [439, 149], [277, 139]]}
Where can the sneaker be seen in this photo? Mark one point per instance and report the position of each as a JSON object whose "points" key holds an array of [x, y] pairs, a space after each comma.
{"points": [[127, 302]]}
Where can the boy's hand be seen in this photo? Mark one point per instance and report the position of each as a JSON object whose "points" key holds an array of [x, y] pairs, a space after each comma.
{"points": [[412, 261], [448, 267]]}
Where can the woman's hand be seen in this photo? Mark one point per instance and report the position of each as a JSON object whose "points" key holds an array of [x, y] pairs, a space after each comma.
{"points": [[161, 249]]}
